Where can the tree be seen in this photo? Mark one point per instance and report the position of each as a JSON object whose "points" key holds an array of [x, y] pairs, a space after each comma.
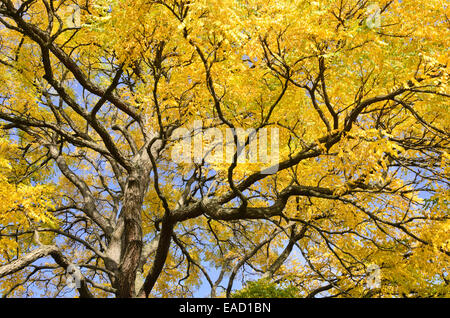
{"points": [[265, 289], [99, 96]]}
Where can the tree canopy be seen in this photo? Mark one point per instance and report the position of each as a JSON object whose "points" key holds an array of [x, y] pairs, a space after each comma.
{"points": [[98, 97]]}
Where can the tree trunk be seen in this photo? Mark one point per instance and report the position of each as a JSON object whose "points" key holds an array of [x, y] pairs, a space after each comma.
{"points": [[132, 235]]}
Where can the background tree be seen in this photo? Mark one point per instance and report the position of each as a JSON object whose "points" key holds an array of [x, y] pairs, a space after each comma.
{"points": [[266, 289], [94, 95]]}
